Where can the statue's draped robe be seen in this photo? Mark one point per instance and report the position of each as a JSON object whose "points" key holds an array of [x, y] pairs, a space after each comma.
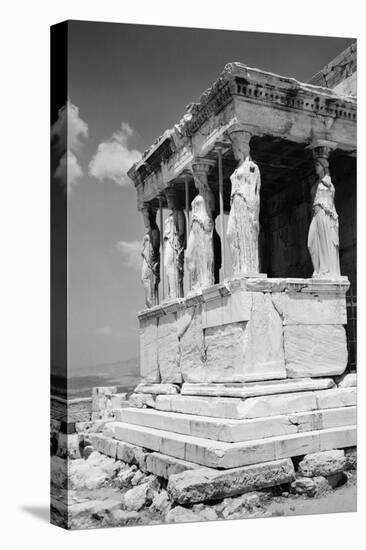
{"points": [[150, 273], [243, 223], [174, 245], [323, 238], [199, 255]]}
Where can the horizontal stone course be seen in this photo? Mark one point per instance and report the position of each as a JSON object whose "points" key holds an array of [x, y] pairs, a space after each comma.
{"points": [[217, 454], [156, 389], [238, 430], [256, 407], [254, 389], [165, 466], [204, 485]]}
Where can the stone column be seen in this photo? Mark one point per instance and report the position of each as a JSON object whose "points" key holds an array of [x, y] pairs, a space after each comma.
{"points": [[323, 237], [200, 249], [174, 246], [150, 274], [243, 223]]}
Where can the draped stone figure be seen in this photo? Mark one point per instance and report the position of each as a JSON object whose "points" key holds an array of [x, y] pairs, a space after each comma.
{"points": [[174, 246], [150, 274], [243, 223], [323, 237], [200, 254]]}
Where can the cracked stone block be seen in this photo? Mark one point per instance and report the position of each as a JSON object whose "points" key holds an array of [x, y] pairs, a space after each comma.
{"points": [[168, 349], [315, 350], [310, 309], [149, 367], [240, 351]]}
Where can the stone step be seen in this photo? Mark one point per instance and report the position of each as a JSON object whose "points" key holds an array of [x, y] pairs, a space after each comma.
{"points": [[217, 454], [232, 431], [165, 466], [257, 407], [206, 484], [254, 389]]}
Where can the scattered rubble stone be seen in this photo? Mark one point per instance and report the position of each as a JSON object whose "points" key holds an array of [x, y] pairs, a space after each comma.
{"points": [[194, 486], [137, 497], [321, 485], [124, 478], [179, 514], [137, 478], [323, 463], [161, 502], [303, 485], [351, 458]]}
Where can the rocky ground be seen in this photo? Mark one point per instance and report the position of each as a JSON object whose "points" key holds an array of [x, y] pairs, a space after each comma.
{"points": [[103, 492]]}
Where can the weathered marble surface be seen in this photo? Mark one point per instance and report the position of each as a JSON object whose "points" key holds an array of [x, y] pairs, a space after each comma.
{"points": [[254, 389], [165, 466], [347, 380], [256, 407], [228, 333], [201, 485], [315, 350], [149, 367], [298, 308], [323, 463], [168, 350], [156, 389], [217, 454], [239, 430]]}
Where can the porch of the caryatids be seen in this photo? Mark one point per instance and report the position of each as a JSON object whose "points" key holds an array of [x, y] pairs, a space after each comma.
{"points": [[174, 245], [323, 236], [243, 223], [200, 247], [150, 273]]}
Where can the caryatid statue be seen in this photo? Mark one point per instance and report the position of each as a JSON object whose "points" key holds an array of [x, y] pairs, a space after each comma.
{"points": [[243, 223], [200, 252], [174, 246], [150, 274], [323, 238]]}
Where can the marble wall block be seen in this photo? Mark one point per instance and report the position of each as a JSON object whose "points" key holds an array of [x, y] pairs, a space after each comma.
{"points": [[192, 349], [168, 349], [234, 338], [149, 367], [306, 308], [264, 353], [315, 350]]}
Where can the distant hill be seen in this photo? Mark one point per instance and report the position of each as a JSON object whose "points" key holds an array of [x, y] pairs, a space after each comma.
{"points": [[123, 374]]}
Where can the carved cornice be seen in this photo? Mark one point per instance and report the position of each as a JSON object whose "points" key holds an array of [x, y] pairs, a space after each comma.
{"points": [[256, 87], [239, 80]]}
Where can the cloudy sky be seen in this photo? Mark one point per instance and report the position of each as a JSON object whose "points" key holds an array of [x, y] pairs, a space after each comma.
{"points": [[126, 85]]}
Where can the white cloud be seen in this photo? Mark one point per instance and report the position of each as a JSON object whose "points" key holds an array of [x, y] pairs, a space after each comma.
{"points": [[68, 168], [67, 135], [113, 157], [131, 253]]}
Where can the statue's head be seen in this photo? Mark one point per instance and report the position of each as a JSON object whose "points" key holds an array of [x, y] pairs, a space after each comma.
{"points": [[240, 141], [321, 167], [171, 198]]}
